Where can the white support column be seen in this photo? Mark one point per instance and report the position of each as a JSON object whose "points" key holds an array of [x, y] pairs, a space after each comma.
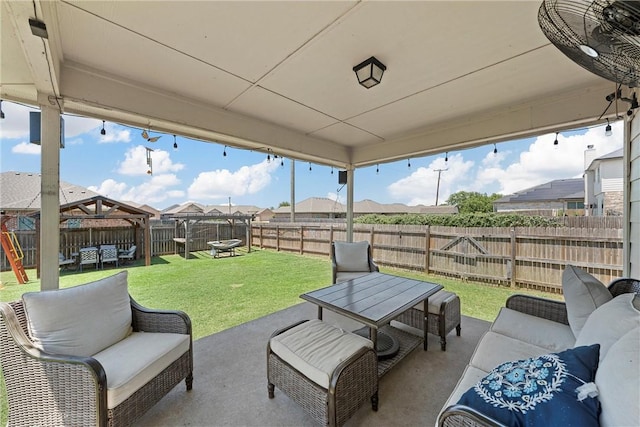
{"points": [[350, 204], [49, 192]]}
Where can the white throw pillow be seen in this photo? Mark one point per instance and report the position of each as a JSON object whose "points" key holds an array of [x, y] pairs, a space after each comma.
{"points": [[618, 381], [583, 293], [352, 256], [609, 322], [82, 320]]}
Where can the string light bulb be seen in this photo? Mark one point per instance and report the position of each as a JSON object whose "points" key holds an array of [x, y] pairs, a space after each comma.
{"points": [[446, 156], [102, 132], [281, 161], [556, 140], [224, 152], [268, 158], [331, 170], [409, 162], [377, 169], [309, 166], [495, 149], [175, 144], [607, 130], [1, 112]]}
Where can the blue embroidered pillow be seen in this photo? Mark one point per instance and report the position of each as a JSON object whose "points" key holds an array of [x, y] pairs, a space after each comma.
{"points": [[539, 391]]}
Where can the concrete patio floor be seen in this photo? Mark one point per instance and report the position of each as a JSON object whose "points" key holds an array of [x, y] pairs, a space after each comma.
{"points": [[230, 386]]}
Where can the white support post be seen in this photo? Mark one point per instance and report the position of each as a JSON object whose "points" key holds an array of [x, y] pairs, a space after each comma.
{"points": [[49, 192]]}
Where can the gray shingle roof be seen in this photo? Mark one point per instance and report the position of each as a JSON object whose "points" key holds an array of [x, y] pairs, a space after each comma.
{"points": [[21, 191], [560, 189]]}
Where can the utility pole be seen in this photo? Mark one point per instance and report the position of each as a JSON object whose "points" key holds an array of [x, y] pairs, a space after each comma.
{"points": [[438, 186]]}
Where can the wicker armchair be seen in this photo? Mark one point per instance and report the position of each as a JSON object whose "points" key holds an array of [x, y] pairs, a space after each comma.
{"points": [[53, 389], [464, 416], [350, 260]]}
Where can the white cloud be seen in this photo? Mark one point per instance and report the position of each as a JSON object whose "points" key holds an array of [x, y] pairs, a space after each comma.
{"points": [[114, 134], [422, 185], [543, 161], [222, 183], [135, 162], [26, 148], [155, 190]]}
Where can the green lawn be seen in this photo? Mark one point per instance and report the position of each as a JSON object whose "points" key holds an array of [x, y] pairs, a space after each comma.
{"points": [[221, 293]]}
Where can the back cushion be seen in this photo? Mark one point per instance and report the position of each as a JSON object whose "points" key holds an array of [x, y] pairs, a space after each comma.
{"points": [[583, 293], [352, 256], [80, 321]]}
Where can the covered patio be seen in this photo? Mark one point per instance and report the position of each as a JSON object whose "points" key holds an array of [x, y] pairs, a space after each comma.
{"points": [[230, 379]]}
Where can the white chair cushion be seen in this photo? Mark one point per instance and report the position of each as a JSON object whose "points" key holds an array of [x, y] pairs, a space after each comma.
{"points": [[609, 322], [495, 349], [435, 301], [618, 381], [316, 348], [352, 256], [136, 360], [535, 330], [80, 321], [583, 293]]}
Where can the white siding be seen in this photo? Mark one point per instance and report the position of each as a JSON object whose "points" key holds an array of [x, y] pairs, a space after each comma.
{"points": [[616, 184], [633, 199]]}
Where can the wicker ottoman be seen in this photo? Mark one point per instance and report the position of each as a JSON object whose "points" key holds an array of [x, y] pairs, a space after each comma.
{"points": [[444, 315], [329, 372]]}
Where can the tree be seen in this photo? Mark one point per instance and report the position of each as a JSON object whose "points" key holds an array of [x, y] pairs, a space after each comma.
{"points": [[470, 202], [284, 204]]}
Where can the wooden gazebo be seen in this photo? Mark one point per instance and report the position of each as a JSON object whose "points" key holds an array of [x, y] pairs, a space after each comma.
{"points": [[102, 208]]}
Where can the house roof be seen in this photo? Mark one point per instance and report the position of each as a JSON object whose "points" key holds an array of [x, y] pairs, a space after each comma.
{"points": [[560, 189], [617, 154], [325, 205], [459, 74], [21, 191]]}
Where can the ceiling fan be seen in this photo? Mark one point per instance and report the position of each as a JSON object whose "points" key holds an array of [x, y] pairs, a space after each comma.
{"points": [[603, 36]]}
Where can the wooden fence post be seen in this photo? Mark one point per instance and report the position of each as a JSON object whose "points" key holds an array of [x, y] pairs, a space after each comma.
{"points": [[330, 238], [301, 240], [277, 237], [427, 247], [513, 257]]}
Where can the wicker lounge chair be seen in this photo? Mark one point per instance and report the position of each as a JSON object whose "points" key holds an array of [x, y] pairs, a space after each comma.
{"points": [[351, 260], [55, 389]]}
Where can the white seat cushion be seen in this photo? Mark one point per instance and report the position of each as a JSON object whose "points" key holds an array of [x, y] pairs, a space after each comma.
{"points": [[583, 293], [136, 360], [82, 320], [609, 322], [495, 349], [352, 256], [535, 330], [618, 381], [435, 301], [316, 348], [468, 379]]}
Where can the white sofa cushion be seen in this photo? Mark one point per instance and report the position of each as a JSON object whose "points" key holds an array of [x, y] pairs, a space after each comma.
{"points": [[609, 322], [82, 320], [352, 256], [469, 378], [535, 330], [583, 293], [316, 348], [618, 381], [495, 349], [136, 360]]}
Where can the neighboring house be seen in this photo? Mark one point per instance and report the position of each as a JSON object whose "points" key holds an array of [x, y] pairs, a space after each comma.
{"points": [[603, 183], [320, 208], [198, 208], [153, 212], [20, 198], [559, 197]]}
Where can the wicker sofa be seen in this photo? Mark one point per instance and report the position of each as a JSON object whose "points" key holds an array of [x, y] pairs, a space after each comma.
{"points": [[529, 329], [90, 355]]}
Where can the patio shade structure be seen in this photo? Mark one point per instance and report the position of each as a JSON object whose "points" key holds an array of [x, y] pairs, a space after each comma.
{"points": [[278, 76]]}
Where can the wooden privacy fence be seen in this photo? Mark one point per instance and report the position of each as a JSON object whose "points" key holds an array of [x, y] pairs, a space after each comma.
{"points": [[162, 243], [520, 257]]}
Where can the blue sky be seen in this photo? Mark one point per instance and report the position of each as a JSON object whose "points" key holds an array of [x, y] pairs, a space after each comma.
{"points": [[115, 166]]}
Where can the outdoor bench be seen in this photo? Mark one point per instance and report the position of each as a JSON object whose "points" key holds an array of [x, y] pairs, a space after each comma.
{"points": [[90, 355]]}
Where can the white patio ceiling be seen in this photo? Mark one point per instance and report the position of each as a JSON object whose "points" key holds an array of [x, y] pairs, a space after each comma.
{"points": [[279, 75]]}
